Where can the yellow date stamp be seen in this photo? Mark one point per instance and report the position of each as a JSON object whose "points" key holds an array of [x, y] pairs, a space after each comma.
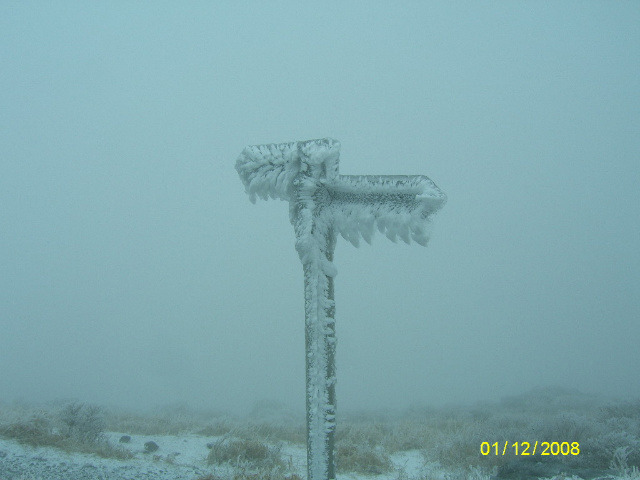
{"points": [[528, 448]]}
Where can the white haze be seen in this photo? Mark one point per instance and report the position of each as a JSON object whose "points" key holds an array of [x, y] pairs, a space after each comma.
{"points": [[134, 270]]}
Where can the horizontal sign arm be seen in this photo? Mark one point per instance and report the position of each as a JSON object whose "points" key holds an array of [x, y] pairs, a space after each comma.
{"points": [[399, 205]]}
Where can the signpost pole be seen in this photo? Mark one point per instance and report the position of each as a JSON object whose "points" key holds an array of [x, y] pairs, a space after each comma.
{"points": [[323, 203]]}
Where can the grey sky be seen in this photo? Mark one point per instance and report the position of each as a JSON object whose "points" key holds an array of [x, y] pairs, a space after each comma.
{"points": [[134, 269]]}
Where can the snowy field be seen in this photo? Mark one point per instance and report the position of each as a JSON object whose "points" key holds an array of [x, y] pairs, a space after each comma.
{"points": [[73, 441], [179, 457]]}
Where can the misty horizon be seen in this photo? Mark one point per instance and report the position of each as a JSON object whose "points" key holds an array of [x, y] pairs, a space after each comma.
{"points": [[136, 272]]}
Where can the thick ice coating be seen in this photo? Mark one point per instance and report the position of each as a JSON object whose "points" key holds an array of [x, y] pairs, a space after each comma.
{"points": [[323, 203], [398, 205]]}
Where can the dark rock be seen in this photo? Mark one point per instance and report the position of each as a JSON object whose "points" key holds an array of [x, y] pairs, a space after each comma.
{"points": [[210, 445], [150, 447], [125, 439]]}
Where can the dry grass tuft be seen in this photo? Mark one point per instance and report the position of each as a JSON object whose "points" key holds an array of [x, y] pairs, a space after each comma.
{"points": [[362, 459], [244, 451], [74, 429], [34, 432]]}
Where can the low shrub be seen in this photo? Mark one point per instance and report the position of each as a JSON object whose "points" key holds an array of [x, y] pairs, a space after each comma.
{"points": [[362, 459], [244, 451], [77, 428], [82, 422], [36, 432]]}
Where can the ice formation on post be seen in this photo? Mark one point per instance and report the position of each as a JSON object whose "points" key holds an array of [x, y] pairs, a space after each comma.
{"points": [[323, 203]]}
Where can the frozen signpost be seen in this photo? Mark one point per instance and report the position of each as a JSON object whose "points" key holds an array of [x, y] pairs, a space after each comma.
{"points": [[323, 203]]}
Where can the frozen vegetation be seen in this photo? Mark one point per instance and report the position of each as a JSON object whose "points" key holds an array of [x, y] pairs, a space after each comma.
{"points": [[74, 441]]}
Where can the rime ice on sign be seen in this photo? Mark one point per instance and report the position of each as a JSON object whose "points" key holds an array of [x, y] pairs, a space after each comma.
{"points": [[323, 203]]}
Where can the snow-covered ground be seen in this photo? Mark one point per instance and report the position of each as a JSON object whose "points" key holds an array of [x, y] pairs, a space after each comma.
{"points": [[18, 462], [183, 457], [178, 457], [608, 434]]}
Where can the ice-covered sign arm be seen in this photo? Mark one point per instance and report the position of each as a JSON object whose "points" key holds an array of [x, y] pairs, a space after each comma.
{"points": [[398, 205]]}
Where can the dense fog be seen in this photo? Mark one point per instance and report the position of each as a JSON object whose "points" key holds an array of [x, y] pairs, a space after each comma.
{"points": [[134, 270]]}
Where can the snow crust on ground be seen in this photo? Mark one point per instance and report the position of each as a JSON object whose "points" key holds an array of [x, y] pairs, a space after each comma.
{"points": [[20, 462], [183, 457], [180, 457]]}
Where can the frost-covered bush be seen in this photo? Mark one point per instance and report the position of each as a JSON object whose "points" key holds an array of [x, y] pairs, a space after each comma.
{"points": [[600, 451], [455, 436], [456, 443], [82, 422], [567, 427], [628, 410], [599, 437]]}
